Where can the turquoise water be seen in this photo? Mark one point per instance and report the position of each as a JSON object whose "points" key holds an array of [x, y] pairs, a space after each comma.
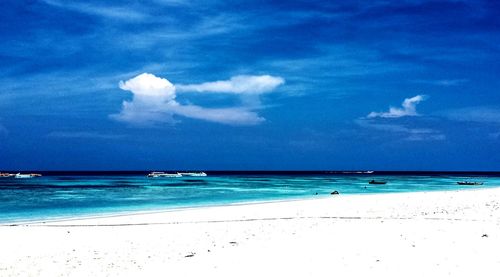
{"points": [[51, 197]]}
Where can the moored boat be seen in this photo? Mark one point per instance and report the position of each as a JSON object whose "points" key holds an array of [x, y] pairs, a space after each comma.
{"points": [[6, 175], [24, 176], [156, 174], [373, 182], [193, 174], [467, 183]]}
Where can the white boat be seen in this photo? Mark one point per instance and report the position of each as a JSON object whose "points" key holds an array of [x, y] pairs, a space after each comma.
{"points": [[23, 176], [163, 174], [467, 183], [193, 174]]}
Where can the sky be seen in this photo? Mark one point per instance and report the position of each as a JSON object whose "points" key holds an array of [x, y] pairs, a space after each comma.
{"points": [[249, 85]]}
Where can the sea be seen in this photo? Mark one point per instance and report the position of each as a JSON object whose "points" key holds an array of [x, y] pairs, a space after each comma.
{"points": [[61, 195]]}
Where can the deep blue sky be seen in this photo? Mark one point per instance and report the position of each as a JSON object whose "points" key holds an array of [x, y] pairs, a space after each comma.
{"points": [[258, 85]]}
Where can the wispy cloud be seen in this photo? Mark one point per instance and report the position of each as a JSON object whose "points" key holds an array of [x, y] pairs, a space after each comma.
{"points": [[425, 135], [154, 101], [474, 114], [484, 120], [174, 2], [408, 109], [242, 84], [83, 135], [412, 134], [385, 121], [443, 82], [113, 12], [231, 116], [495, 135]]}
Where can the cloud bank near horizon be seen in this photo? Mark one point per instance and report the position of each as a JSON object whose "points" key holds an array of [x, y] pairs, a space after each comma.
{"points": [[154, 100]]}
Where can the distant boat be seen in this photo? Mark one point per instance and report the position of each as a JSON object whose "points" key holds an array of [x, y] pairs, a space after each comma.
{"points": [[193, 174], [373, 182], [466, 183], [5, 175], [358, 172], [163, 174], [27, 176]]}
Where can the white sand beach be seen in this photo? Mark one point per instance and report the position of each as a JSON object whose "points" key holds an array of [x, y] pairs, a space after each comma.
{"points": [[455, 233]]}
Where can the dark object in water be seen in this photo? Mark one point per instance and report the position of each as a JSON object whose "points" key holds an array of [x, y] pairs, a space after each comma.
{"points": [[470, 183], [334, 192], [373, 182]]}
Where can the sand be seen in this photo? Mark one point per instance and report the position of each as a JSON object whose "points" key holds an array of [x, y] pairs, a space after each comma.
{"points": [[454, 233]]}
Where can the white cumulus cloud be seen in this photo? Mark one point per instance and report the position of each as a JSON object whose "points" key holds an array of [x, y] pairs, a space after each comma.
{"points": [[154, 101], [241, 84], [149, 85], [152, 97], [408, 109]]}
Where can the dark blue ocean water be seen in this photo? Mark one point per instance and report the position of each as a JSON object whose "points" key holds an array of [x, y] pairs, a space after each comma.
{"points": [[62, 196]]}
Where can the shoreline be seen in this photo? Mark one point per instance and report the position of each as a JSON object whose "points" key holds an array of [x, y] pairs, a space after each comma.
{"points": [[419, 234], [203, 206]]}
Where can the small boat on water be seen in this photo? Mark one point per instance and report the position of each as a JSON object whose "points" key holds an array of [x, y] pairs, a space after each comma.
{"points": [[467, 183], [163, 174], [358, 172], [27, 176], [373, 182], [193, 174], [6, 175]]}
